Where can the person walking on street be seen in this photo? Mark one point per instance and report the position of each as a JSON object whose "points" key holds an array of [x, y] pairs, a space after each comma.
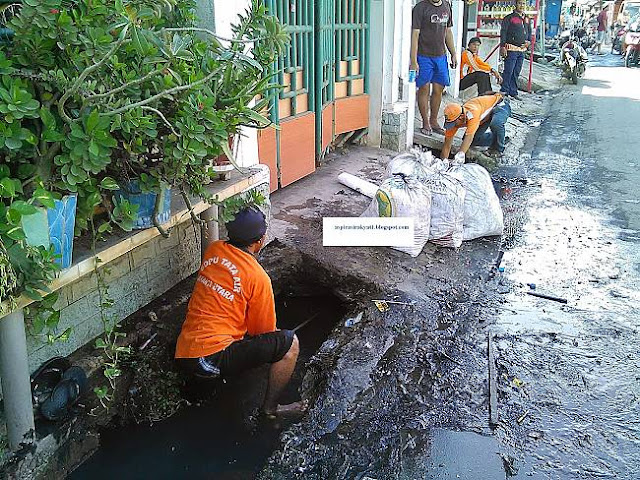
{"points": [[515, 39], [487, 112], [431, 33], [569, 19], [602, 28], [478, 71], [230, 325]]}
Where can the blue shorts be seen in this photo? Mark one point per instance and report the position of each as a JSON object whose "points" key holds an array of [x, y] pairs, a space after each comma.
{"points": [[433, 70]]}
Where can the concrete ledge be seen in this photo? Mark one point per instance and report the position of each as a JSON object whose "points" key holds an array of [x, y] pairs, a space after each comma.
{"points": [[120, 244]]}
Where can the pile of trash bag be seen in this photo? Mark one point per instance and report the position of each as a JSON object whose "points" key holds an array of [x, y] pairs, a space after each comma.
{"points": [[450, 201]]}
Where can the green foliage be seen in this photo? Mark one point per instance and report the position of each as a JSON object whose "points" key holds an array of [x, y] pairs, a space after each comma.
{"points": [[94, 93], [43, 320], [28, 269], [109, 344], [233, 205]]}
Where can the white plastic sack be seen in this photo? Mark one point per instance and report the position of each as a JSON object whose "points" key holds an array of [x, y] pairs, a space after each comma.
{"points": [[414, 163], [447, 209], [401, 196], [482, 211]]}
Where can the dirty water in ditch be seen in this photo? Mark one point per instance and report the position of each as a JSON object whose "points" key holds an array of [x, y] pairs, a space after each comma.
{"points": [[223, 438], [569, 387]]}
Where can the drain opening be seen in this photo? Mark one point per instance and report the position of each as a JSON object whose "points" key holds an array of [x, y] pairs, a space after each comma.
{"points": [[222, 437]]}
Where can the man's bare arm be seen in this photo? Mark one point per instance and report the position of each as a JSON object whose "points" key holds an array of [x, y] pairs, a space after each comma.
{"points": [[446, 148], [466, 143], [415, 37], [451, 46]]}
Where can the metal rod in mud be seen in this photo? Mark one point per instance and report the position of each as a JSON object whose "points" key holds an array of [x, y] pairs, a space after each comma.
{"points": [[548, 297], [493, 387], [308, 320]]}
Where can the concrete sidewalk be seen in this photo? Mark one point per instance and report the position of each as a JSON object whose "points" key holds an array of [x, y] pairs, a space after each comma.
{"points": [[297, 214]]}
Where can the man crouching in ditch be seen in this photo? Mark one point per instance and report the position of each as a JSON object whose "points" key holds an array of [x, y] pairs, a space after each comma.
{"points": [[231, 318]]}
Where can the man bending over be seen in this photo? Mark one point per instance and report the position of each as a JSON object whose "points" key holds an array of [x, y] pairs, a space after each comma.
{"points": [[484, 119]]}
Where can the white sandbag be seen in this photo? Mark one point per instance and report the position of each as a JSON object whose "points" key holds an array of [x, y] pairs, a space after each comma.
{"points": [[358, 184], [447, 210], [482, 211], [401, 196], [414, 163]]}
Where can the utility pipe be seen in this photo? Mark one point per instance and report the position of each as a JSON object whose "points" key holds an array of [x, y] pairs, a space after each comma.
{"points": [[16, 383], [210, 231]]}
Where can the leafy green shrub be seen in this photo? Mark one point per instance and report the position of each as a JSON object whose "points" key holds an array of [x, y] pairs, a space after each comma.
{"points": [[93, 93]]}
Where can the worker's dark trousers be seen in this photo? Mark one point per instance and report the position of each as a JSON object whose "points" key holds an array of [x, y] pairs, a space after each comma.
{"points": [[481, 79], [512, 69]]}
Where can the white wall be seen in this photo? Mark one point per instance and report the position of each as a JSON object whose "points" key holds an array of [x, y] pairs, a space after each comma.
{"points": [[376, 68], [226, 14], [457, 8]]}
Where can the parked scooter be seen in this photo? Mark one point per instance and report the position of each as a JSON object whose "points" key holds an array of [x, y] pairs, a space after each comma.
{"points": [[619, 33], [573, 59], [632, 42]]}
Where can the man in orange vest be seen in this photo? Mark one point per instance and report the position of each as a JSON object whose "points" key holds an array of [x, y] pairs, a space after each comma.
{"points": [[484, 119], [231, 318], [477, 70]]}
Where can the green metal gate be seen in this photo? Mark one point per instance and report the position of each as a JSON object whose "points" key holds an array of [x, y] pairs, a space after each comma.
{"points": [[325, 76]]}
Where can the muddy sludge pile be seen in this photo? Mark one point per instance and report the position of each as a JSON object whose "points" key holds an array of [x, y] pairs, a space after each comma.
{"points": [[377, 388]]}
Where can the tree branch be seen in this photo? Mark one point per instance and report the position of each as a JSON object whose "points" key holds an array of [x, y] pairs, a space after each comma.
{"points": [[87, 71], [164, 119], [213, 34], [187, 202], [157, 96], [156, 213], [98, 96]]}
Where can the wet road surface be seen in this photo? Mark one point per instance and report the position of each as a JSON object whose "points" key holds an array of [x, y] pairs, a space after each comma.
{"points": [[571, 373]]}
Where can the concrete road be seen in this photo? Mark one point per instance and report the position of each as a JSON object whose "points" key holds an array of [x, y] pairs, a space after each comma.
{"points": [[569, 374], [607, 102]]}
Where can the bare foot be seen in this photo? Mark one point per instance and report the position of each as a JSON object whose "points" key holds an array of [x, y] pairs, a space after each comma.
{"points": [[291, 409]]}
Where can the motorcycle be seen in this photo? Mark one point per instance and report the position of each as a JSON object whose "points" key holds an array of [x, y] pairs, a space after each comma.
{"points": [[632, 42], [574, 60], [618, 39], [586, 37]]}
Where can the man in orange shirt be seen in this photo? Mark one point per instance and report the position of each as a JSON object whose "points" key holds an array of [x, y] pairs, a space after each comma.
{"points": [[231, 318], [478, 70], [487, 112]]}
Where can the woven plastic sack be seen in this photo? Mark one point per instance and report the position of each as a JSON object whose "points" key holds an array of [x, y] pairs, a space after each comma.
{"points": [[401, 196], [482, 211], [447, 209], [414, 163]]}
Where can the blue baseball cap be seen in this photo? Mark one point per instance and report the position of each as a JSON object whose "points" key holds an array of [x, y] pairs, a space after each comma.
{"points": [[248, 226]]}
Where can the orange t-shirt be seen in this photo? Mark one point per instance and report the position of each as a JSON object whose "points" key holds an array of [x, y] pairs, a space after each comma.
{"points": [[477, 110], [233, 296]]}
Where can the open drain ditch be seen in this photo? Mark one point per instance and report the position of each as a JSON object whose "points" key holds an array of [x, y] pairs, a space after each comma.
{"points": [[221, 438]]}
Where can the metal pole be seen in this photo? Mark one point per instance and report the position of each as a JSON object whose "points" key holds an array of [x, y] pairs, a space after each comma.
{"points": [[543, 23], [16, 384], [210, 227]]}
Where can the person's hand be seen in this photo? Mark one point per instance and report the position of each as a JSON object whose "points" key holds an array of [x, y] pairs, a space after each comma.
{"points": [[454, 61], [498, 77], [527, 44], [459, 158], [503, 52], [414, 66]]}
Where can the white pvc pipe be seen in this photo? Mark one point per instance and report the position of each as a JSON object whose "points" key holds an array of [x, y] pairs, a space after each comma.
{"points": [[16, 383], [210, 228], [359, 185]]}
